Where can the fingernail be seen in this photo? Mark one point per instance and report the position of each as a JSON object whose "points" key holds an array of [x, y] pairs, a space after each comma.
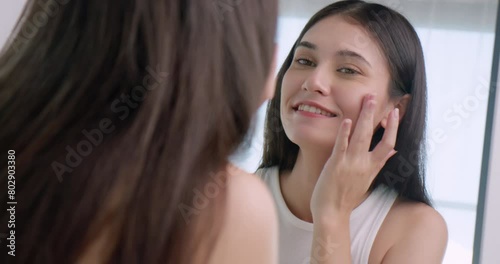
{"points": [[371, 105], [396, 113], [346, 123]]}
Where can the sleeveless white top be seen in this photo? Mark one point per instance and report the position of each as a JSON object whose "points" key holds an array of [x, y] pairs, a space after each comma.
{"points": [[295, 235]]}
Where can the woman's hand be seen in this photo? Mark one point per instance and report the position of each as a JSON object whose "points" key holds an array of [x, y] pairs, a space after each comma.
{"points": [[351, 169]]}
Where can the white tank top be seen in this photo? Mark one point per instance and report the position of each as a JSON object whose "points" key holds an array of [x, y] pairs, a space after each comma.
{"points": [[295, 235]]}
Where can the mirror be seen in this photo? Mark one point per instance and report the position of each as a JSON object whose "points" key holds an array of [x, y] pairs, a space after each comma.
{"points": [[458, 38]]}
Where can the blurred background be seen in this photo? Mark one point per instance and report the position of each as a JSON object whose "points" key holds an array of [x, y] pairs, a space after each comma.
{"points": [[458, 39]]}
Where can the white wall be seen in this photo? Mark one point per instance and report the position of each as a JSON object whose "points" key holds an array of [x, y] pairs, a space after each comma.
{"points": [[9, 12]]}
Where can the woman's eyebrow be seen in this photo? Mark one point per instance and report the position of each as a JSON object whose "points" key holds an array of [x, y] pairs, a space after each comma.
{"points": [[341, 53], [353, 55], [307, 44]]}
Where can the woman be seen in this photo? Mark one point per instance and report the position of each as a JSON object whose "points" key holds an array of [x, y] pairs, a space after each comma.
{"points": [[343, 194], [122, 118]]}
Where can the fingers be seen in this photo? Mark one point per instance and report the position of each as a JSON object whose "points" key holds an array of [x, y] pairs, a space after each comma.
{"points": [[385, 148], [362, 135], [342, 141]]}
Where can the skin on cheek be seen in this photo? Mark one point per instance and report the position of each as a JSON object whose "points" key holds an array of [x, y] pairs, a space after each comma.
{"points": [[383, 107]]}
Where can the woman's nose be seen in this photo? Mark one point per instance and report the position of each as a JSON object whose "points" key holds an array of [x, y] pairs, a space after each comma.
{"points": [[318, 81]]}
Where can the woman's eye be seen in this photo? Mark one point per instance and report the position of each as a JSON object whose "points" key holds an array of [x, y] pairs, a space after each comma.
{"points": [[347, 71], [305, 62]]}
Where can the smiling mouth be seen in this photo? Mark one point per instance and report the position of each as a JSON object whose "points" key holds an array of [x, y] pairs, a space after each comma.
{"points": [[314, 110]]}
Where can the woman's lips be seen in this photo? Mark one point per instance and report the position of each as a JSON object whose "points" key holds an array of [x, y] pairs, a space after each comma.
{"points": [[313, 111]]}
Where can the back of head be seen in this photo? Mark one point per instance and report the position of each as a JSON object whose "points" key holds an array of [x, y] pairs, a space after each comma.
{"points": [[117, 113], [401, 46]]}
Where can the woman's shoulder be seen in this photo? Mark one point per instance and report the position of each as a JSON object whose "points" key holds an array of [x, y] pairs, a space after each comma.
{"points": [[250, 230], [418, 217], [412, 230], [415, 211], [249, 189]]}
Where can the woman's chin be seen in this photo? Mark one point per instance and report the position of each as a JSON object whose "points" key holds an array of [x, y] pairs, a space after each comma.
{"points": [[313, 141]]}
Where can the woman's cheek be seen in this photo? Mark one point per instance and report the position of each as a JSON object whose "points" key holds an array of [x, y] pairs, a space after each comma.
{"points": [[351, 104], [287, 88]]}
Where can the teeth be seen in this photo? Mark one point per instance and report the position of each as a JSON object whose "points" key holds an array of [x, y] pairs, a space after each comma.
{"points": [[312, 109]]}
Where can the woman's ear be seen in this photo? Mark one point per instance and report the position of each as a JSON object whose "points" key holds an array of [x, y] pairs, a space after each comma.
{"points": [[270, 85], [402, 104]]}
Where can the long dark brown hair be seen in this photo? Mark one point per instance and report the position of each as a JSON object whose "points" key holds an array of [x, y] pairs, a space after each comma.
{"points": [[120, 115], [405, 171]]}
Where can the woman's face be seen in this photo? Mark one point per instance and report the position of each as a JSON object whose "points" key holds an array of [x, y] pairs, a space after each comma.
{"points": [[335, 65]]}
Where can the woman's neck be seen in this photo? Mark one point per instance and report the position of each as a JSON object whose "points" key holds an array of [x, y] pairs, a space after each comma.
{"points": [[298, 185]]}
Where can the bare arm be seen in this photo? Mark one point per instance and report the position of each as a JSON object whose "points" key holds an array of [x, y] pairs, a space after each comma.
{"points": [[345, 180], [331, 240], [422, 238]]}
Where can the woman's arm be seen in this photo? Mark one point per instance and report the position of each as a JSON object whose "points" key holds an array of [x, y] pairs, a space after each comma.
{"points": [[420, 231], [420, 237], [345, 180], [250, 232], [331, 240]]}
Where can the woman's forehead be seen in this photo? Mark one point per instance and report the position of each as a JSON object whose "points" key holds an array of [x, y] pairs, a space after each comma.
{"points": [[336, 33]]}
